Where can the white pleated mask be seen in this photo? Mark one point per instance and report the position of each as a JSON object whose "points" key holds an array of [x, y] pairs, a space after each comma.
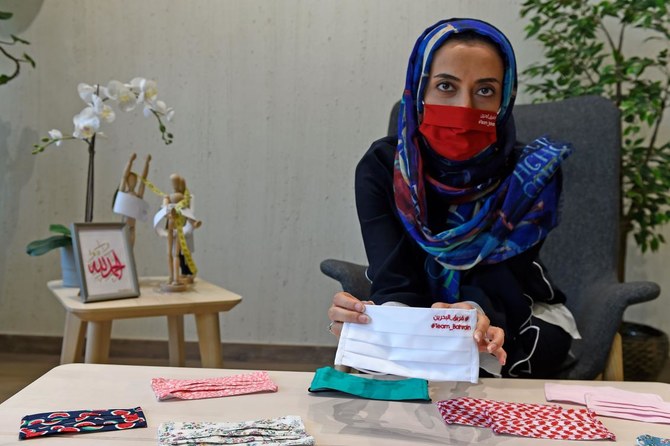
{"points": [[427, 343]]}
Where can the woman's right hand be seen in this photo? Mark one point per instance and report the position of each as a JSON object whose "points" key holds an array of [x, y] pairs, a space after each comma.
{"points": [[346, 308]]}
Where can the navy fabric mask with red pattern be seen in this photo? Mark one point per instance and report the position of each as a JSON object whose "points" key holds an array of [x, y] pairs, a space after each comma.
{"points": [[80, 422]]}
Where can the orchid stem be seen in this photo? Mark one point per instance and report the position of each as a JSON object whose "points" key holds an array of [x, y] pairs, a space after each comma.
{"points": [[90, 181]]}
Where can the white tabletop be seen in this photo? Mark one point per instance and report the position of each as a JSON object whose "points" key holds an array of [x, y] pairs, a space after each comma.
{"points": [[331, 418]]}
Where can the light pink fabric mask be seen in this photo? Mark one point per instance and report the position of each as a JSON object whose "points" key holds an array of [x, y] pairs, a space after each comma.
{"points": [[192, 389], [612, 402]]}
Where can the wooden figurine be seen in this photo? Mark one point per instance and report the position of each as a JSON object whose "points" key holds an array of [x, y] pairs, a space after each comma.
{"points": [[129, 202], [184, 218]]}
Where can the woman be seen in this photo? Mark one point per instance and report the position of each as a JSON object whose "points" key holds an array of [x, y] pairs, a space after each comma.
{"points": [[454, 212]]}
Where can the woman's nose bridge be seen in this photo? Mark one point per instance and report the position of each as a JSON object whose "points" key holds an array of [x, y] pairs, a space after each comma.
{"points": [[464, 99]]}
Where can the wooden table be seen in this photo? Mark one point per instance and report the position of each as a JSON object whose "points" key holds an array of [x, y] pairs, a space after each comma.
{"points": [[204, 300], [333, 419]]}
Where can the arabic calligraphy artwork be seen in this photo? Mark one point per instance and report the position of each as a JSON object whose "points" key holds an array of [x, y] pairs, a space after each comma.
{"points": [[105, 262]]}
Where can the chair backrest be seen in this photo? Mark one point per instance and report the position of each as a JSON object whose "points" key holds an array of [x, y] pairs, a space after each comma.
{"points": [[350, 275], [584, 247]]}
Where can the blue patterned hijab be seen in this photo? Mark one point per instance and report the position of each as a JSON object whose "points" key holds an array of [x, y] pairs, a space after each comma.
{"points": [[505, 199]]}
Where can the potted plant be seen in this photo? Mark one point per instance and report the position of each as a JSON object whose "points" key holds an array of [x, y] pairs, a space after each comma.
{"points": [[62, 240], [139, 92], [585, 51]]}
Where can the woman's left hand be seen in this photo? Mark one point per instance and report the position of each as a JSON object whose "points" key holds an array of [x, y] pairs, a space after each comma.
{"points": [[489, 338]]}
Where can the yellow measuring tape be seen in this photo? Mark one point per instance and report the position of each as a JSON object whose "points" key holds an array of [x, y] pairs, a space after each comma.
{"points": [[179, 223]]}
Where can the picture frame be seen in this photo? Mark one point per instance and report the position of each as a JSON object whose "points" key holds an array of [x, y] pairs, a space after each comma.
{"points": [[104, 261]]}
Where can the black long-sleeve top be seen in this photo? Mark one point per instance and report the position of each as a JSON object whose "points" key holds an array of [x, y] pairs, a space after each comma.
{"points": [[396, 261], [506, 291]]}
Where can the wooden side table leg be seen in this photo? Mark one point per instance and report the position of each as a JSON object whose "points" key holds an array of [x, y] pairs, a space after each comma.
{"points": [[97, 342], [209, 338], [614, 365], [176, 341], [73, 339]]}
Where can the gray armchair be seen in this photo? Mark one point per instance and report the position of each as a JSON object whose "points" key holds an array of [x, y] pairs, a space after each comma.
{"points": [[581, 254]]}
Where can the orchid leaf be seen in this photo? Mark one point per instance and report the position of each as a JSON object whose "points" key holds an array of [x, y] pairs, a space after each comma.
{"points": [[39, 247], [60, 229]]}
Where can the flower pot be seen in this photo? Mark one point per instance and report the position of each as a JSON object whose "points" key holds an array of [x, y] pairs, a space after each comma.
{"points": [[68, 269], [645, 350]]}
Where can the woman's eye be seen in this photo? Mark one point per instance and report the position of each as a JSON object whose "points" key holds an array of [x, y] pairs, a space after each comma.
{"points": [[445, 86], [486, 91]]}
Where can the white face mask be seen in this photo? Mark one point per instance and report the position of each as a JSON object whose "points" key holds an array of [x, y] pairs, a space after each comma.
{"points": [[427, 343]]}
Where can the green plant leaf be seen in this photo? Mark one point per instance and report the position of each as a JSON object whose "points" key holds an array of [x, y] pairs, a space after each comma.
{"points": [[60, 229], [39, 247], [20, 40], [582, 55], [4, 15], [29, 59]]}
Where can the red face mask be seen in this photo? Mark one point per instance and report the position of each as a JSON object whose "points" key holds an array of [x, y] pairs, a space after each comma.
{"points": [[458, 133]]}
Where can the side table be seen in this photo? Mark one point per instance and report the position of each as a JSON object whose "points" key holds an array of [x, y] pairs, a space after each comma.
{"points": [[204, 300]]}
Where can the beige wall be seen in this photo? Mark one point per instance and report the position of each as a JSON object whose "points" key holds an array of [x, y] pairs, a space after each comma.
{"points": [[276, 101]]}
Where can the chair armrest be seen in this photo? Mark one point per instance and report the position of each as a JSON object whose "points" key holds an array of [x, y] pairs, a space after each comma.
{"points": [[350, 275], [599, 318], [612, 299]]}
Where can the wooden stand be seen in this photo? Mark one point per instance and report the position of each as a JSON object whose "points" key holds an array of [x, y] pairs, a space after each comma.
{"points": [[174, 287]]}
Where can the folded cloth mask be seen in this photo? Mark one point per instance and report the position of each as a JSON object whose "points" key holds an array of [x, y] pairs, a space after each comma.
{"points": [[192, 389], [612, 402], [427, 343], [525, 420], [281, 431], [328, 379], [80, 422]]}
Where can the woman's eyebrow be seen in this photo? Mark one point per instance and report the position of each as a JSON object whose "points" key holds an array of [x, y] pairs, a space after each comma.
{"points": [[454, 78], [447, 76], [488, 79]]}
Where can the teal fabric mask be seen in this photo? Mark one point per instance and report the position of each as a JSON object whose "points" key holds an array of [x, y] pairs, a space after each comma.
{"points": [[329, 379]]}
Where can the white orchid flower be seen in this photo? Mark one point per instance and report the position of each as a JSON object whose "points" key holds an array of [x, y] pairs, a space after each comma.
{"points": [[147, 90], [57, 135], [86, 92], [162, 109], [122, 94], [86, 123], [98, 109], [136, 84], [102, 92], [103, 110], [150, 91], [113, 89], [127, 100]]}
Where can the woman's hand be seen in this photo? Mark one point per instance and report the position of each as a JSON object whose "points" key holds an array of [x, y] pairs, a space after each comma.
{"points": [[346, 308], [489, 338]]}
